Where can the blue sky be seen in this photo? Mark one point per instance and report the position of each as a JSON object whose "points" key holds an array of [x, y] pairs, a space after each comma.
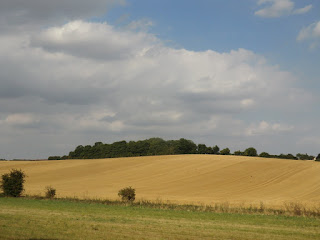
{"points": [[232, 73]]}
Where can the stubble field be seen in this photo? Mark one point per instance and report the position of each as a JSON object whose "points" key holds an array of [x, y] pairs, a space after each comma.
{"points": [[196, 179]]}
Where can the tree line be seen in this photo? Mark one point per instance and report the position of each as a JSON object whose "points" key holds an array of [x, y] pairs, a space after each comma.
{"points": [[158, 146]]}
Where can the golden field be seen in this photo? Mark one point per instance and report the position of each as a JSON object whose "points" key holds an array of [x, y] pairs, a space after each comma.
{"points": [[197, 179]]}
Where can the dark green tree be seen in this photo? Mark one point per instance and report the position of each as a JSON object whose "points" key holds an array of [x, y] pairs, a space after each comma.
{"points": [[304, 156], [264, 155], [119, 149], [98, 144], [286, 156], [186, 146], [158, 146], [209, 150], [215, 149], [139, 148], [225, 151], [202, 149], [54, 158], [238, 153], [290, 156], [250, 152]]}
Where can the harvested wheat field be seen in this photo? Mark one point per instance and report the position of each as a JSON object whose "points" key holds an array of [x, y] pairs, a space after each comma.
{"points": [[197, 179]]}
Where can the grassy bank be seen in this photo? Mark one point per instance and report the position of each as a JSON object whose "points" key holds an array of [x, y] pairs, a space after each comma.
{"points": [[64, 219]]}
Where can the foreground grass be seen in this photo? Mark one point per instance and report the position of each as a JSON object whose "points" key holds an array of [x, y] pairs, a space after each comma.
{"points": [[62, 219]]}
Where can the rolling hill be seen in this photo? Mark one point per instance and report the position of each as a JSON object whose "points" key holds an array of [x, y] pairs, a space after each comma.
{"points": [[193, 179]]}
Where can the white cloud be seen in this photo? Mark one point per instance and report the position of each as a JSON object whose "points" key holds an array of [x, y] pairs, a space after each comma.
{"points": [[278, 8], [303, 10], [265, 128], [310, 34], [93, 40]]}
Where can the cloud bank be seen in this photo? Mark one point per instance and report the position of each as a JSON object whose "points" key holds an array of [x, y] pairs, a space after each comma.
{"points": [[310, 34], [80, 82]]}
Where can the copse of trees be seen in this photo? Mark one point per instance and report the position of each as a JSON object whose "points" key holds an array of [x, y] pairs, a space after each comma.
{"points": [[203, 149], [184, 146], [304, 156], [158, 146], [299, 156], [148, 147]]}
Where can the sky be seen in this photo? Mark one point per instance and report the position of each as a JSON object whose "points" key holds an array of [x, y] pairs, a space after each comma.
{"points": [[231, 73]]}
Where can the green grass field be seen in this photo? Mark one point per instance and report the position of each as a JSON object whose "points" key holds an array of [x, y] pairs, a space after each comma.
{"points": [[22, 218]]}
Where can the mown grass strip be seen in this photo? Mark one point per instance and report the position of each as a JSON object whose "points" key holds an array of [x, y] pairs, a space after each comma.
{"points": [[64, 219]]}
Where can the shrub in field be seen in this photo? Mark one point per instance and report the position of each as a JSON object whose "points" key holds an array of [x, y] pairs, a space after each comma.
{"points": [[12, 183], [50, 192], [127, 194]]}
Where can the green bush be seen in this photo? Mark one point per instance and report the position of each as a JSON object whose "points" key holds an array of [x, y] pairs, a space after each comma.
{"points": [[50, 192], [127, 194], [12, 183]]}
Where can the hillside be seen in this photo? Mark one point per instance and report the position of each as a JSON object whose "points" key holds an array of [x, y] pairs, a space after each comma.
{"points": [[181, 178]]}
